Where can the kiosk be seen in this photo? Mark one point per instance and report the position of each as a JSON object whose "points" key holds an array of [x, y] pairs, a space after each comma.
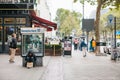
{"points": [[32, 39]]}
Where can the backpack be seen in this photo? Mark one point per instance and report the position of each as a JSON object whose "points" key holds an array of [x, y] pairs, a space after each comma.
{"points": [[83, 44], [93, 43]]}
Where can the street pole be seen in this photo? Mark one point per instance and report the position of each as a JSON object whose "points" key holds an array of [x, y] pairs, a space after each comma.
{"points": [[114, 32], [83, 9], [83, 18]]}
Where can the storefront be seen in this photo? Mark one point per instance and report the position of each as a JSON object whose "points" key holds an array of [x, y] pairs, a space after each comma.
{"points": [[10, 24], [16, 16]]}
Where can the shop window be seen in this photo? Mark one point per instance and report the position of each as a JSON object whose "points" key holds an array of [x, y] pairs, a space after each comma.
{"points": [[20, 20], [0, 33], [9, 20], [0, 20]]}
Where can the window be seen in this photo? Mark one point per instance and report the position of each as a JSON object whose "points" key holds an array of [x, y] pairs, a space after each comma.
{"points": [[0, 20], [33, 42], [20, 20], [9, 20]]}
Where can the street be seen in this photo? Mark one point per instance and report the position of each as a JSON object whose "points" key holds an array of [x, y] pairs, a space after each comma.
{"points": [[75, 67]]}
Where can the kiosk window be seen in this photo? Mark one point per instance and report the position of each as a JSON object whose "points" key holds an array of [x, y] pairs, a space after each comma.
{"points": [[33, 42]]}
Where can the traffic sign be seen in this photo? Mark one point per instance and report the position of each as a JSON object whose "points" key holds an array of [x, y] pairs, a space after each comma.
{"points": [[110, 20]]}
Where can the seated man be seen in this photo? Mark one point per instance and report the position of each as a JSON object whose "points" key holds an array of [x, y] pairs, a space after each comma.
{"points": [[30, 58]]}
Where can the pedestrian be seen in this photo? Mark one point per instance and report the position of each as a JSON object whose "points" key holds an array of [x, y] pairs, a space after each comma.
{"points": [[13, 46], [93, 45], [76, 42], [83, 45]]}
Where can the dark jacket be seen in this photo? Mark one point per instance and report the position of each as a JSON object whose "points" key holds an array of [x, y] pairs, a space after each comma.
{"points": [[13, 43], [30, 57], [83, 44]]}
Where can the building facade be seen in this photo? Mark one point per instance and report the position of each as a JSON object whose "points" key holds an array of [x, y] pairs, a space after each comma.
{"points": [[15, 14]]}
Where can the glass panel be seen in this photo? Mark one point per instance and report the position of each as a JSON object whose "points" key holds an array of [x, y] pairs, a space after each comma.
{"points": [[18, 33], [20, 20], [0, 20], [33, 42], [0, 33], [9, 20]]}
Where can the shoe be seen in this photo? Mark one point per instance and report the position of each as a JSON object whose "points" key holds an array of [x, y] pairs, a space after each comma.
{"points": [[84, 56], [11, 61]]}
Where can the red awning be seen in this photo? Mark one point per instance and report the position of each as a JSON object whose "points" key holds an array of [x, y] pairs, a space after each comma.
{"points": [[42, 22], [36, 24]]}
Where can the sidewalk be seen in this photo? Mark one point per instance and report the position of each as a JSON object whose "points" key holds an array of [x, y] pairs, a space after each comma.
{"points": [[62, 68]]}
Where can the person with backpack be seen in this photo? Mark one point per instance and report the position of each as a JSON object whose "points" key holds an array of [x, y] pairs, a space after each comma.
{"points": [[83, 46], [13, 46]]}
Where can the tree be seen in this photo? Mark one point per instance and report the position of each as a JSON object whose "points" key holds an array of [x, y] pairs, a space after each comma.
{"points": [[100, 4], [106, 29], [68, 21]]}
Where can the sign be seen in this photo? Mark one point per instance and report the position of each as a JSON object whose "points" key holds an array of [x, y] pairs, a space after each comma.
{"points": [[110, 20], [87, 24], [32, 30], [118, 36], [67, 46], [101, 43], [117, 32]]}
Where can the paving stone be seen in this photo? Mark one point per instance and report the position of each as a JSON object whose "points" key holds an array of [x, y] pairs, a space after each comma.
{"points": [[75, 67]]}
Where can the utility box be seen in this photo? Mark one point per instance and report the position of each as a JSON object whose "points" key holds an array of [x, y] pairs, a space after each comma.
{"points": [[32, 39]]}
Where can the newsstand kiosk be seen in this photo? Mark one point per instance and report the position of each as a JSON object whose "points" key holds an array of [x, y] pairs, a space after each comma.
{"points": [[32, 39]]}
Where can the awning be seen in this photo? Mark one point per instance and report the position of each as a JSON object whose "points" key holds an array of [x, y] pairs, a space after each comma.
{"points": [[37, 24], [42, 22]]}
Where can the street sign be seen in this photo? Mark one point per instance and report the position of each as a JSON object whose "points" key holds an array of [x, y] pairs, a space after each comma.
{"points": [[117, 32], [87, 24], [110, 20]]}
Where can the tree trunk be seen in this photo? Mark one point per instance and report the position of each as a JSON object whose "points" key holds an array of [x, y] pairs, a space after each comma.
{"points": [[97, 35]]}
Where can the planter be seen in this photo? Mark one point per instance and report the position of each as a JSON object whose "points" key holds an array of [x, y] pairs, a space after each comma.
{"points": [[50, 52]]}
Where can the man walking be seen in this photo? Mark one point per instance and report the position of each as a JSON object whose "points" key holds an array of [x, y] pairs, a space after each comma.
{"points": [[13, 46]]}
